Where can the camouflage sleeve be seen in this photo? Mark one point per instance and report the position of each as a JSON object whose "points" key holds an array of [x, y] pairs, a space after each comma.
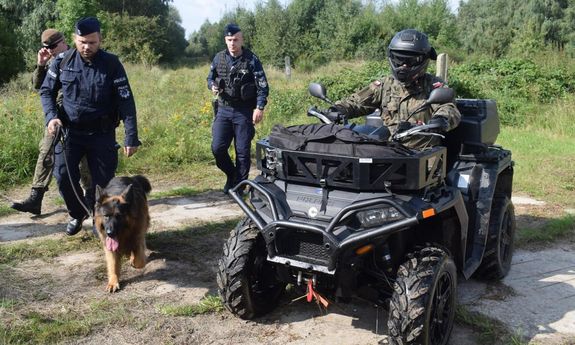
{"points": [[447, 110], [38, 76], [363, 102]]}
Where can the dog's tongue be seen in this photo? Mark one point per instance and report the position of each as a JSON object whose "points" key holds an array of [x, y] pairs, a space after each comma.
{"points": [[111, 244]]}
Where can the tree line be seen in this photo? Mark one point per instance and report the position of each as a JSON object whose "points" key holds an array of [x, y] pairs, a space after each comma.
{"points": [[139, 31], [310, 32]]}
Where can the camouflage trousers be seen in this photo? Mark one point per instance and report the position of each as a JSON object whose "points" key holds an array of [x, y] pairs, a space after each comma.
{"points": [[45, 165]]}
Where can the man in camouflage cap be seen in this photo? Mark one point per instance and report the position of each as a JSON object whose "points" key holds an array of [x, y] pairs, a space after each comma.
{"points": [[53, 43], [397, 96]]}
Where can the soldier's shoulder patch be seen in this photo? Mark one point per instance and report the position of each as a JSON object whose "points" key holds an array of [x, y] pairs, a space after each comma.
{"points": [[437, 84]]}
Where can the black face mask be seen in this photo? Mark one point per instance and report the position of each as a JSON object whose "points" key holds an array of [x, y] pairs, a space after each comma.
{"points": [[407, 75]]}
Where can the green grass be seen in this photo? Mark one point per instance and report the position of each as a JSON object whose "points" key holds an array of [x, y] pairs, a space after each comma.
{"points": [[49, 327], [208, 304], [543, 163], [6, 210], [174, 117], [7, 303], [553, 230], [45, 249], [488, 330]]}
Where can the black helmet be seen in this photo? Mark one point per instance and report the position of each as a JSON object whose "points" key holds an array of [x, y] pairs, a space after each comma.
{"points": [[409, 53]]}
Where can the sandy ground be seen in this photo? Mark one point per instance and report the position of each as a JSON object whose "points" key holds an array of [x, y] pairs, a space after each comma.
{"points": [[536, 300]]}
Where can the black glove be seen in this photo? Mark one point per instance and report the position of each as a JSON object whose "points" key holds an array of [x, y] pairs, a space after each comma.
{"points": [[403, 126], [441, 123], [336, 113]]}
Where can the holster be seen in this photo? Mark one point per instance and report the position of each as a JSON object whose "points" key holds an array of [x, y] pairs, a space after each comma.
{"points": [[215, 105]]}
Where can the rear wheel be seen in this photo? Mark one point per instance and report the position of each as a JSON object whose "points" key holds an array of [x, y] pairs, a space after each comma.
{"points": [[247, 282], [499, 250], [422, 307]]}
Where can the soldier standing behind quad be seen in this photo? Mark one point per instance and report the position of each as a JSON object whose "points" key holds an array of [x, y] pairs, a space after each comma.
{"points": [[397, 96], [53, 43], [238, 79], [96, 95]]}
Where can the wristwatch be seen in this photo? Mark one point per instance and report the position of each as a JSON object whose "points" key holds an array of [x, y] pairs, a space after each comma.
{"points": [[260, 107]]}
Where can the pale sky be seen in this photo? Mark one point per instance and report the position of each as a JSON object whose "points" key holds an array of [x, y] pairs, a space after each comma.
{"points": [[195, 12]]}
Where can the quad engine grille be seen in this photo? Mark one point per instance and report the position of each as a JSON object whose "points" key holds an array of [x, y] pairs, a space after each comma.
{"points": [[302, 245]]}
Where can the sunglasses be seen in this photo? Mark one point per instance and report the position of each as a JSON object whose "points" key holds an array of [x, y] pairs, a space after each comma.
{"points": [[53, 45], [409, 61]]}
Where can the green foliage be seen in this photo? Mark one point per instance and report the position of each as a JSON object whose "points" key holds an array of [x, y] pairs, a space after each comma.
{"points": [[518, 84], [10, 55], [175, 116], [69, 11], [350, 79], [132, 37]]}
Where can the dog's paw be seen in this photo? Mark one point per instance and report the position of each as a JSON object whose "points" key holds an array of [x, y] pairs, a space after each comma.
{"points": [[113, 286], [137, 262]]}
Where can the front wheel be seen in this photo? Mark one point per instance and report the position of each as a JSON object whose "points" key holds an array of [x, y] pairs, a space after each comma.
{"points": [[247, 282], [422, 307]]}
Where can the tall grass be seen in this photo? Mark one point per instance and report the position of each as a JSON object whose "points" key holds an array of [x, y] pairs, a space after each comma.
{"points": [[175, 115]]}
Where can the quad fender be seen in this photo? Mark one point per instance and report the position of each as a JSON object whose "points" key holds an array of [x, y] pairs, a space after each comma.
{"points": [[479, 181]]}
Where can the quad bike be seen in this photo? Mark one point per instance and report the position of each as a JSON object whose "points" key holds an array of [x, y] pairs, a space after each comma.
{"points": [[395, 229]]}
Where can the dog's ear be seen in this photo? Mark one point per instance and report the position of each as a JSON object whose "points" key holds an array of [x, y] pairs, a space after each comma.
{"points": [[126, 193]]}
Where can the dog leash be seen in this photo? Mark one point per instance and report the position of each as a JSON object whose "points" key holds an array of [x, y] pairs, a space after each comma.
{"points": [[62, 134]]}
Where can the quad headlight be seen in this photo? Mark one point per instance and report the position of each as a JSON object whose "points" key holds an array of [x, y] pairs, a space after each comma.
{"points": [[378, 216]]}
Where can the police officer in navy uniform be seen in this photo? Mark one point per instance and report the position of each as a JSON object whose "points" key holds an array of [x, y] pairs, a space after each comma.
{"points": [[239, 81], [96, 95]]}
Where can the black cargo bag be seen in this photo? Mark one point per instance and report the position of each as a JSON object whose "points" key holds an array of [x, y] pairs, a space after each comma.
{"points": [[333, 139]]}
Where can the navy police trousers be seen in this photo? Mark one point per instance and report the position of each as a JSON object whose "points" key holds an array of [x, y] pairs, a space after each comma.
{"points": [[237, 124], [102, 157]]}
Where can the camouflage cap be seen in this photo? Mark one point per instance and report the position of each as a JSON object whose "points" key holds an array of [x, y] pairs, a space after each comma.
{"points": [[51, 37]]}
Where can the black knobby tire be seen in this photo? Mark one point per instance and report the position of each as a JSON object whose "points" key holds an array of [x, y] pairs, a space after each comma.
{"points": [[422, 306], [499, 249], [247, 282]]}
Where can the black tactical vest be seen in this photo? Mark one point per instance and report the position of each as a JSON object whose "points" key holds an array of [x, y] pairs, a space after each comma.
{"points": [[238, 81]]}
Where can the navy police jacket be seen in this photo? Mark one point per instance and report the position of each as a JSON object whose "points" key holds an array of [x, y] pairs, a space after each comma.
{"points": [[96, 95], [254, 66]]}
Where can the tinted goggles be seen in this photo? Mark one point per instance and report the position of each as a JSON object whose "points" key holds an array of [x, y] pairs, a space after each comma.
{"points": [[407, 60]]}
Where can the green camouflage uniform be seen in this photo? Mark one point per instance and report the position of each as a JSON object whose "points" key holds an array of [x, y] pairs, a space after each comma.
{"points": [[45, 161], [396, 102]]}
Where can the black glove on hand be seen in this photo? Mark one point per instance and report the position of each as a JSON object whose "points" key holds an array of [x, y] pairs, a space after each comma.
{"points": [[336, 113], [441, 123], [403, 126]]}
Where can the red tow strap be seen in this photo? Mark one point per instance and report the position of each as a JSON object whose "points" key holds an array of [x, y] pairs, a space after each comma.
{"points": [[311, 294]]}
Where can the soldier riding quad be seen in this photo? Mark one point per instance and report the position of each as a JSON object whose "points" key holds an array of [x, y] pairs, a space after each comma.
{"points": [[342, 214]]}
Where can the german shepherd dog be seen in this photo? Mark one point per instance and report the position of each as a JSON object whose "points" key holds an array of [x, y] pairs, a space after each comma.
{"points": [[121, 218]]}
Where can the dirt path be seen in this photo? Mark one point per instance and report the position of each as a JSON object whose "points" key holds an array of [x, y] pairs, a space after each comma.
{"points": [[537, 299]]}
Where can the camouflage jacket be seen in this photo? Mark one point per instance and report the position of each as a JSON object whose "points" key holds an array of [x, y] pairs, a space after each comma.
{"points": [[396, 102], [39, 74]]}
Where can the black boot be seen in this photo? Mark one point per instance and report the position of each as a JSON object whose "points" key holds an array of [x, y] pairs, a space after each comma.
{"points": [[34, 202]]}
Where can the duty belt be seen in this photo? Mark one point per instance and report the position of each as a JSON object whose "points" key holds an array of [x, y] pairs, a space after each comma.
{"points": [[97, 126]]}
